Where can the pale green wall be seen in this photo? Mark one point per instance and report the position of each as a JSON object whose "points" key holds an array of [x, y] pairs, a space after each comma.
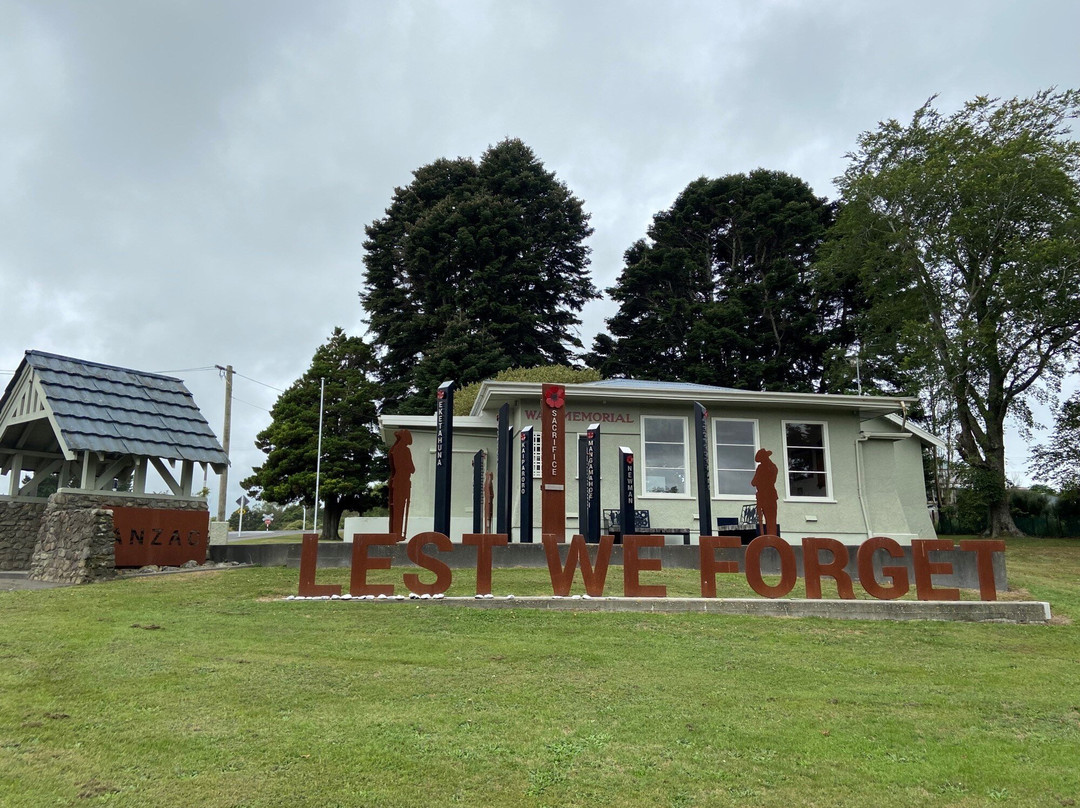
{"points": [[892, 471]]}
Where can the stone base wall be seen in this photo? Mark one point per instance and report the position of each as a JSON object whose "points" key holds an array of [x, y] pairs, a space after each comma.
{"points": [[20, 521], [75, 543]]}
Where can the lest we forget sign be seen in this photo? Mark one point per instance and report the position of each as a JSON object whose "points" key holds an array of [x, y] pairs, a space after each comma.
{"points": [[880, 567]]}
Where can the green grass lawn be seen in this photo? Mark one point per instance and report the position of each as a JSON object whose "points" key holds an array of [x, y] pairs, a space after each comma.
{"points": [[207, 689]]}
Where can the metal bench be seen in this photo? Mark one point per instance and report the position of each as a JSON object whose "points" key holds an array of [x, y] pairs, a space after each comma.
{"points": [[642, 525], [745, 527]]}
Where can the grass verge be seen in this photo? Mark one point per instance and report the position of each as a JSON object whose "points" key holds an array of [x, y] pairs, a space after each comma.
{"points": [[205, 689]]}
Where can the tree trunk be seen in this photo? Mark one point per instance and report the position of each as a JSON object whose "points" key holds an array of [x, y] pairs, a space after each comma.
{"points": [[331, 520], [1000, 522]]}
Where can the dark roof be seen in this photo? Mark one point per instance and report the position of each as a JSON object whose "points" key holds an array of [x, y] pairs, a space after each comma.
{"points": [[102, 408]]}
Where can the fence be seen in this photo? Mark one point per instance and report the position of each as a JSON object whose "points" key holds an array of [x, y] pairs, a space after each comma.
{"points": [[1041, 526]]}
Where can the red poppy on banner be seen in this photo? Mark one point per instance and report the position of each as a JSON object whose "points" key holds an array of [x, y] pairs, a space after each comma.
{"points": [[556, 397]]}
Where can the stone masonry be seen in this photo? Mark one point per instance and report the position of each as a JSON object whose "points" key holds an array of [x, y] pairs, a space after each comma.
{"points": [[20, 521], [75, 541], [75, 546]]}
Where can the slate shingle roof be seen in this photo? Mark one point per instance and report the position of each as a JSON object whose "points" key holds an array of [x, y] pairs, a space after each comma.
{"points": [[102, 408]]}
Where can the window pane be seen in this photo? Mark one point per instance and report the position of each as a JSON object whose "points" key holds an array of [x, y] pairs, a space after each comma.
{"points": [[806, 459], [735, 432], [735, 457], [807, 484], [805, 435], [736, 482], [665, 481], [664, 455], [669, 430]]}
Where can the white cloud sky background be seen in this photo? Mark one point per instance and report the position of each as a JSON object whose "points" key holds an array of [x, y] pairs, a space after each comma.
{"points": [[185, 184]]}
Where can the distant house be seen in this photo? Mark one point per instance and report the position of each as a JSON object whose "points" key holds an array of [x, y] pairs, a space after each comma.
{"points": [[850, 467]]}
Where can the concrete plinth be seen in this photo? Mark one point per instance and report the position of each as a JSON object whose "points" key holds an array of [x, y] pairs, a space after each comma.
{"points": [[967, 611]]}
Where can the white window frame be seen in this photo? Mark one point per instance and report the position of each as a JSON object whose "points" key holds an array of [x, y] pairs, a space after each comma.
{"points": [[716, 460], [786, 470], [537, 461], [642, 475]]}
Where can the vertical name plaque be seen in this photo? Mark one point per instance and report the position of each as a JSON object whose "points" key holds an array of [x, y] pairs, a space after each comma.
{"points": [[525, 532], [592, 484], [502, 470], [478, 492], [626, 491], [553, 463], [444, 455], [701, 442], [582, 505]]}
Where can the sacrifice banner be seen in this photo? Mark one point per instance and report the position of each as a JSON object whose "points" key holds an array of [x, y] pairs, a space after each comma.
{"points": [[553, 463]]}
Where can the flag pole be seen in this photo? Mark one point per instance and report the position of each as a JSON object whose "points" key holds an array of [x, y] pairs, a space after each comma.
{"points": [[318, 458]]}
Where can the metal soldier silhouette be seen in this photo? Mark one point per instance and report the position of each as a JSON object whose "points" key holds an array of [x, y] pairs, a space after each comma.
{"points": [[400, 488], [489, 500], [765, 482]]}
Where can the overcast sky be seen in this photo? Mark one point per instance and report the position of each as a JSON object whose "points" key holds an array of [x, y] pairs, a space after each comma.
{"points": [[185, 184]]}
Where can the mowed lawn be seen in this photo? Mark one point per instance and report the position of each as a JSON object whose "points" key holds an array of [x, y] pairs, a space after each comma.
{"points": [[207, 689]]}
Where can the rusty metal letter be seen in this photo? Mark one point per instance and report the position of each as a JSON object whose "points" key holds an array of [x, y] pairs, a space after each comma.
{"points": [[788, 570], [897, 573], [813, 569], [709, 563], [984, 563], [361, 563], [443, 576], [483, 543], [632, 566], [309, 554], [925, 569], [562, 577]]}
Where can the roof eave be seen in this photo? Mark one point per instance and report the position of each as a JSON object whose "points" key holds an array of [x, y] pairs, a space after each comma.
{"points": [[867, 404]]}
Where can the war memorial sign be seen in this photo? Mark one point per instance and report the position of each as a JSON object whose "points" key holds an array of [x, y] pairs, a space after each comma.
{"points": [[881, 567]]}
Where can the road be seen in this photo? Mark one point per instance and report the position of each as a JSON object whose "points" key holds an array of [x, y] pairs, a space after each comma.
{"points": [[248, 535]]}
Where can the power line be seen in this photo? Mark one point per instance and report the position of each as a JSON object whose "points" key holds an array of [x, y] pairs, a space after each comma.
{"points": [[256, 406], [264, 384], [185, 370], [208, 367]]}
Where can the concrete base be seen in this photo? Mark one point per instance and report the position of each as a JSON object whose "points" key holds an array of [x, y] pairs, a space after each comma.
{"points": [[956, 611], [219, 532]]}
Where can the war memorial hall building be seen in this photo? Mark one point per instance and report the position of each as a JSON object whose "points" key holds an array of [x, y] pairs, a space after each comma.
{"points": [[847, 467]]}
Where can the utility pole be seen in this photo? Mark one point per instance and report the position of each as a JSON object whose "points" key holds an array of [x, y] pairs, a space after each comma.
{"points": [[227, 372], [318, 456]]}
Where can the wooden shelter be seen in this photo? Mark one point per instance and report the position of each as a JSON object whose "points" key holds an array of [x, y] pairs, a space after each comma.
{"points": [[88, 425]]}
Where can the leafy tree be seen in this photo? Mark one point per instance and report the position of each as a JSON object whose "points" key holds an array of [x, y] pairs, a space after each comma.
{"points": [[724, 290], [253, 518], [546, 374], [475, 268], [1059, 459], [965, 229], [353, 465]]}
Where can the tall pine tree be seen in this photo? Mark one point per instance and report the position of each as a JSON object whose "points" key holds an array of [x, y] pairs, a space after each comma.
{"points": [[724, 290], [353, 465], [474, 269]]}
